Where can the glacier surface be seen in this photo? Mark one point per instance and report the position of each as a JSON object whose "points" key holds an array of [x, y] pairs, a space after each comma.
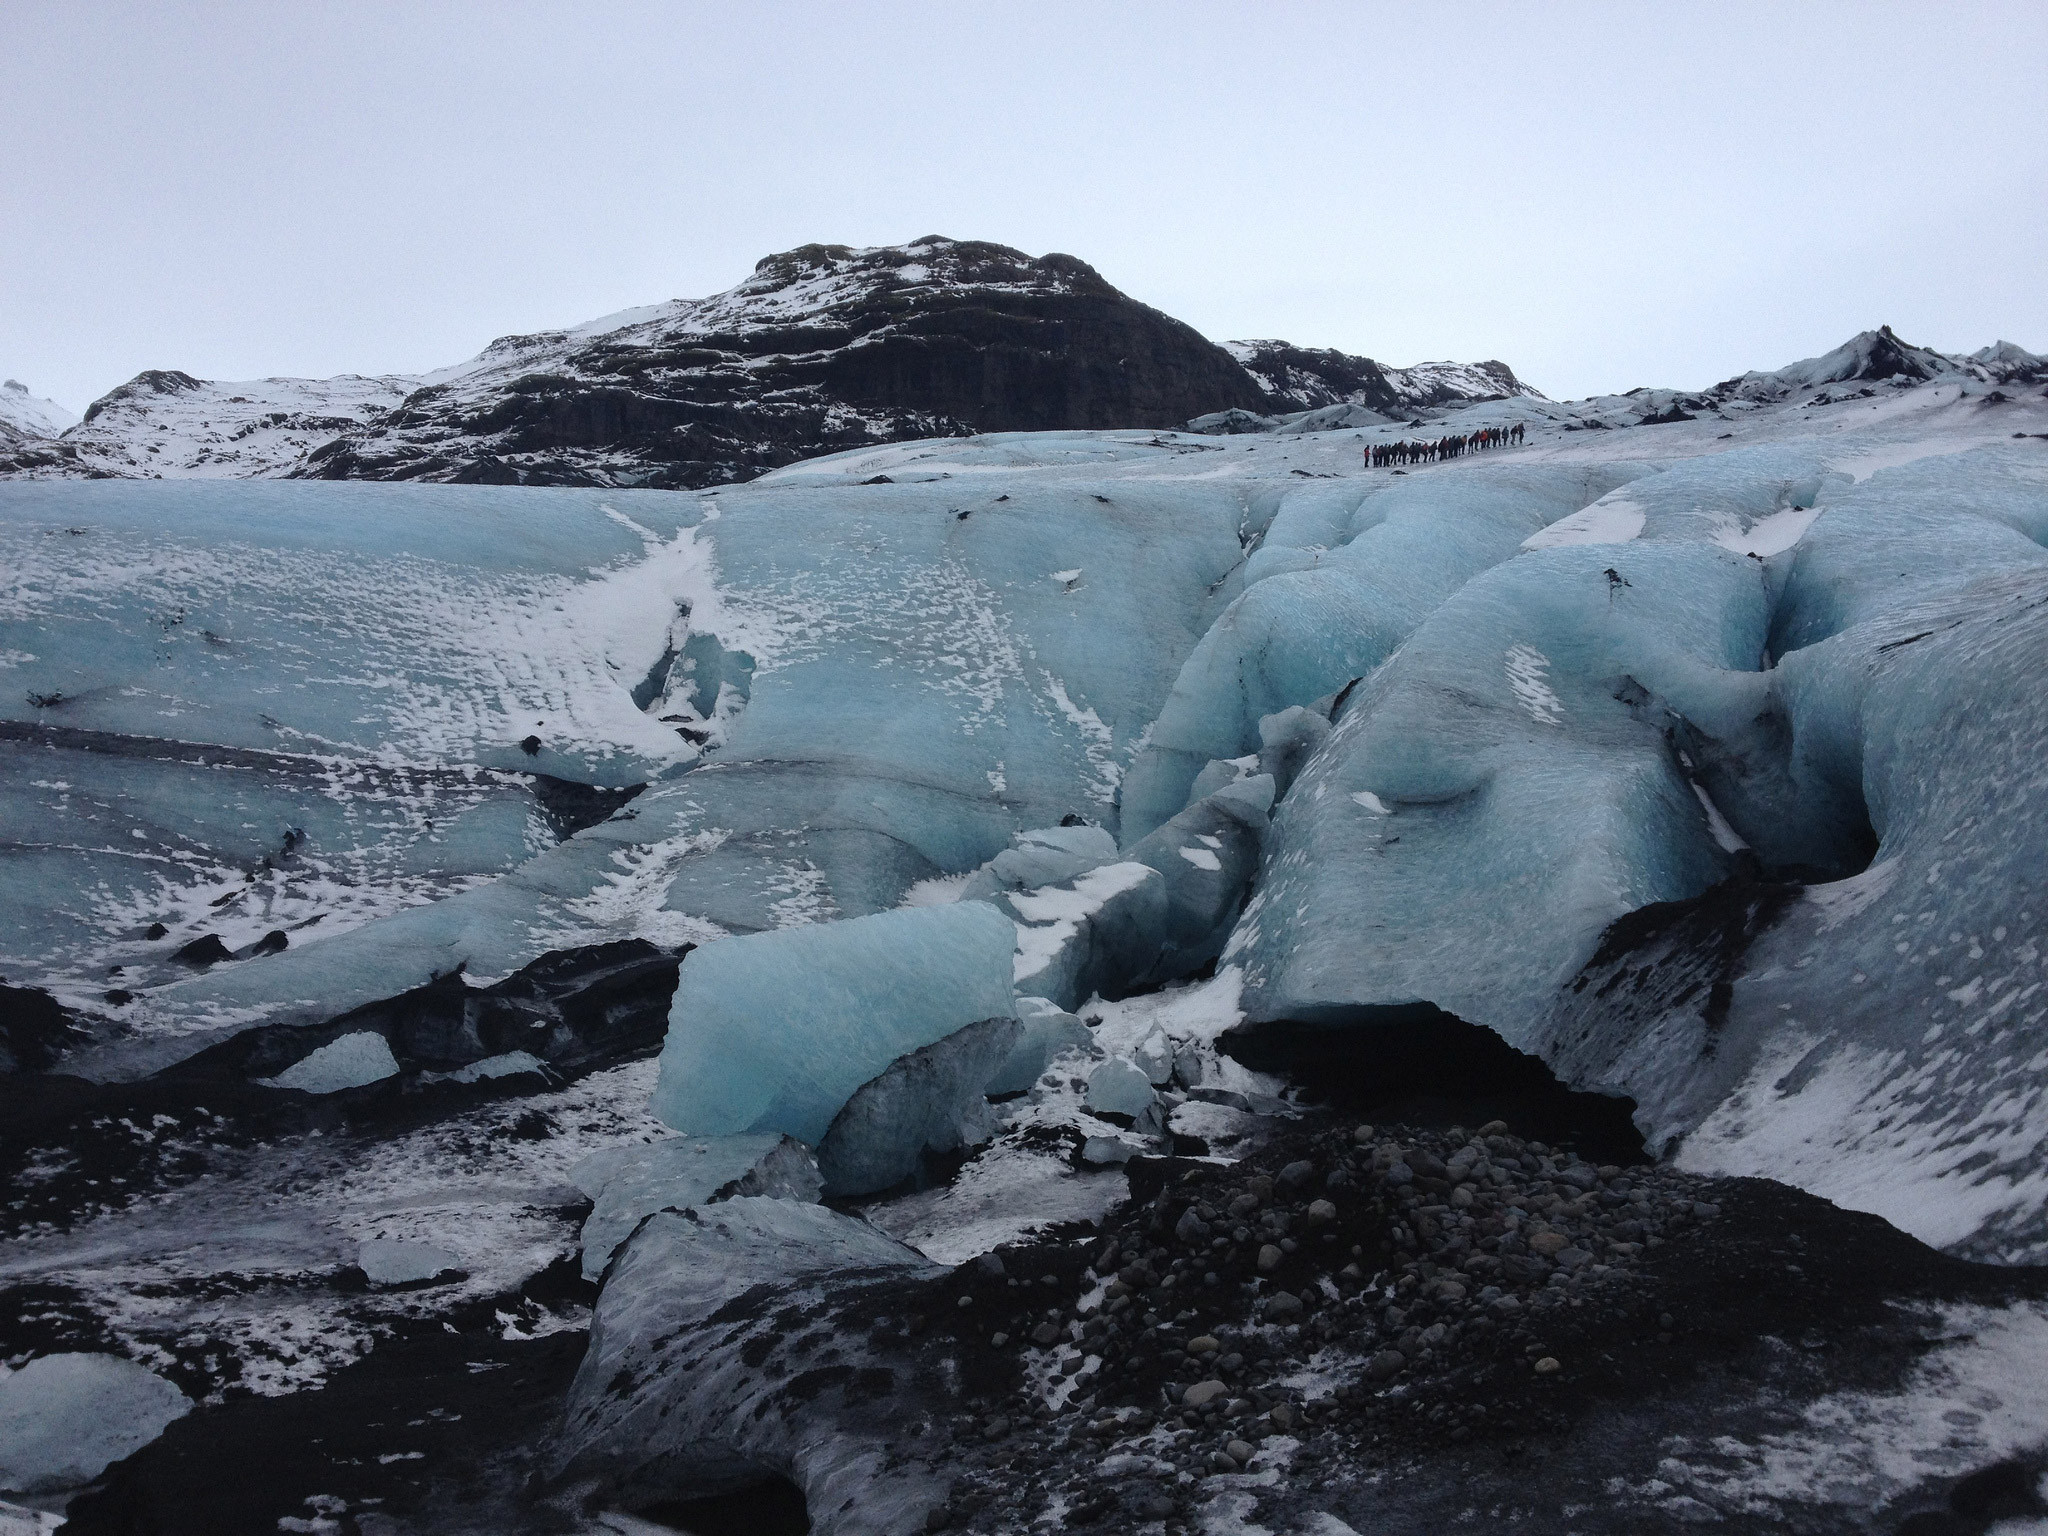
{"points": [[1694, 747]]}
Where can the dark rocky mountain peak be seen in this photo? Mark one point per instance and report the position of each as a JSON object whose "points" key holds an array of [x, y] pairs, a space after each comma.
{"points": [[823, 348], [1311, 378], [151, 382]]}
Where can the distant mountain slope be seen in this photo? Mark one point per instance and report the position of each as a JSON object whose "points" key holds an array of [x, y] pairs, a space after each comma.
{"points": [[1308, 378], [822, 349], [25, 417], [1879, 355], [163, 422], [1315, 390]]}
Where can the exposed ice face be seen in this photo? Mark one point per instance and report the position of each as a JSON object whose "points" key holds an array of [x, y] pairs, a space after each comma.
{"points": [[1878, 1039], [1493, 797], [65, 1418], [381, 624], [350, 1062], [628, 1184], [891, 705], [1120, 1087], [774, 1032], [294, 708], [392, 1261], [671, 1395], [1345, 574], [1044, 1032], [932, 1099]]}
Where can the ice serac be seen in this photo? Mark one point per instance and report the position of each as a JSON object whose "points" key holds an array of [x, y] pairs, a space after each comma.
{"points": [[65, 1418], [934, 1099], [1503, 788], [628, 1184], [1345, 574], [1157, 912], [1876, 1038], [1045, 1033], [695, 1384], [774, 1032]]}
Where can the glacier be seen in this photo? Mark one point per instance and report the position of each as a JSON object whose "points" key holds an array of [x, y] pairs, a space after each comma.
{"points": [[1152, 702], [958, 804]]}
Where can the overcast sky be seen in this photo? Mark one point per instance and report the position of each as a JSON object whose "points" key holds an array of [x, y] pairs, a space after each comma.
{"points": [[1600, 195]]}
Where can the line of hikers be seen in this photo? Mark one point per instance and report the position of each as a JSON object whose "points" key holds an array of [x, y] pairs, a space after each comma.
{"points": [[1379, 455]]}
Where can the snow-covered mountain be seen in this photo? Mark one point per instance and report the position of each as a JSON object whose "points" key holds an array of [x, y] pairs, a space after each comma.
{"points": [[1307, 378], [1317, 391], [167, 424], [822, 349], [24, 416]]}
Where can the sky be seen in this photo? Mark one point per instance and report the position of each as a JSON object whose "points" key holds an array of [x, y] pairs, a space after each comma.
{"points": [[1600, 195]]}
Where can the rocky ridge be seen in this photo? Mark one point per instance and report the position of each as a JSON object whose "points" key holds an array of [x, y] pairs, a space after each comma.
{"points": [[824, 348], [1309, 378]]}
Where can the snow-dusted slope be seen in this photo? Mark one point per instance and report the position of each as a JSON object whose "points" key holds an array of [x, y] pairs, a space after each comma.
{"points": [[823, 348], [168, 425], [1880, 356], [1319, 390], [1308, 378], [23, 415]]}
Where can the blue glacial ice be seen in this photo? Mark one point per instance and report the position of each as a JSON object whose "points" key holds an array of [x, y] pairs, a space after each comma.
{"points": [[292, 709], [1502, 789], [1874, 1038], [628, 1184], [65, 1418], [774, 1032], [1072, 716], [394, 1261], [352, 1061], [909, 675], [1345, 573]]}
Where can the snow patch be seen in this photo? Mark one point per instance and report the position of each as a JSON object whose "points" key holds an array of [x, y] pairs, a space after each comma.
{"points": [[1854, 1125], [1527, 670], [1614, 520], [1978, 1397]]}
